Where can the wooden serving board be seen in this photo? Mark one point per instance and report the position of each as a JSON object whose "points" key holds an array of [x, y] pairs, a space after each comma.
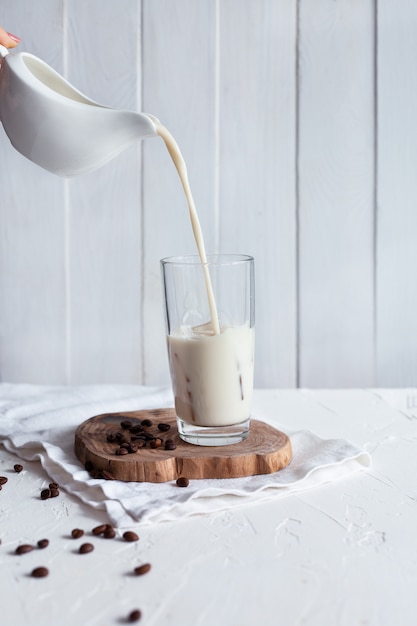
{"points": [[265, 451]]}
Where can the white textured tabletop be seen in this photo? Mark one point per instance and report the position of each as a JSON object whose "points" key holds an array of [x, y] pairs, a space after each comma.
{"points": [[342, 554]]}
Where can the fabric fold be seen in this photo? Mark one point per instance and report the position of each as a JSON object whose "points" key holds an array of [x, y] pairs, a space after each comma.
{"points": [[39, 422]]}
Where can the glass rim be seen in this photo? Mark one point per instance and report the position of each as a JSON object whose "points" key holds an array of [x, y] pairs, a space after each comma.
{"points": [[212, 259]]}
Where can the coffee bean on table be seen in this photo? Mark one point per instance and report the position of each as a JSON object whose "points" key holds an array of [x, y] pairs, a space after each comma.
{"points": [[164, 427], [24, 548], [53, 486], [109, 533], [155, 443], [135, 615], [147, 423], [43, 543], [3, 480], [85, 548], [126, 424], [122, 451], [76, 533], [182, 481], [170, 445], [45, 494], [129, 535], [40, 572], [18, 468], [54, 492], [99, 530], [142, 569]]}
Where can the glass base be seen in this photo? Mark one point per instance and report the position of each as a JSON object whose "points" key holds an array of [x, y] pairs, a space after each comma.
{"points": [[213, 435]]}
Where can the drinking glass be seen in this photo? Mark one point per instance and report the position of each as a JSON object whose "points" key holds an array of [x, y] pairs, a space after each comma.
{"points": [[210, 317]]}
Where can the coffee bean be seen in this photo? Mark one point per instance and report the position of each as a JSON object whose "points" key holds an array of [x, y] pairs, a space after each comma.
{"points": [[54, 492], [107, 475], [137, 428], [126, 424], [24, 548], [3, 480], [147, 423], [155, 443], [18, 468], [132, 448], [148, 436], [43, 543], [85, 548], [109, 533], [164, 427], [40, 572], [170, 445], [129, 535], [182, 481], [45, 494], [142, 569], [53, 486], [99, 530], [121, 451], [126, 445], [76, 533], [139, 442], [135, 615], [111, 437]]}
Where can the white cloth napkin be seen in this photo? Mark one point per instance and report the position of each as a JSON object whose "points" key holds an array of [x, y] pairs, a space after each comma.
{"points": [[39, 422]]}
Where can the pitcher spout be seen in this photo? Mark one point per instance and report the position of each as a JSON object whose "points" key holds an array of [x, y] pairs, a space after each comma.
{"points": [[56, 126]]}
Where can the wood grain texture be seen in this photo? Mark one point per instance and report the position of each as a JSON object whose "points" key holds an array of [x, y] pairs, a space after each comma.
{"points": [[32, 231], [273, 104], [397, 191], [104, 207], [257, 141], [265, 451], [336, 225]]}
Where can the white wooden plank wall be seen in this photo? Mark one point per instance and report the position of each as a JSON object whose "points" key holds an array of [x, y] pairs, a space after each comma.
{"points": [[297, 121]]}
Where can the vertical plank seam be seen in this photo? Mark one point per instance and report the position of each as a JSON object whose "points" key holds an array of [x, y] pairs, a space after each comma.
{"points": [[141, 197], [375, 195], [216, 173], [67, 220], [297, 198]]}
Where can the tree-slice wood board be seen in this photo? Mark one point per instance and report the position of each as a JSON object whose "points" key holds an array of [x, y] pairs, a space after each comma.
{"points": [[265, 451]]}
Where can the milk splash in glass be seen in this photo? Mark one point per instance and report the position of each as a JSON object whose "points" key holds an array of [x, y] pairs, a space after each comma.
{"points": [[210, 323]]}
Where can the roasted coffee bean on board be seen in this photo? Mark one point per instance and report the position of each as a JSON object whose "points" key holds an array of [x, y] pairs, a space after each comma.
{"points": [[147, 423], [164, 427], [40, 572], [126, 424]]}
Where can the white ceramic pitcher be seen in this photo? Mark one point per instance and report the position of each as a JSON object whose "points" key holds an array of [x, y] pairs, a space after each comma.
{"points": [[55, 125]]}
